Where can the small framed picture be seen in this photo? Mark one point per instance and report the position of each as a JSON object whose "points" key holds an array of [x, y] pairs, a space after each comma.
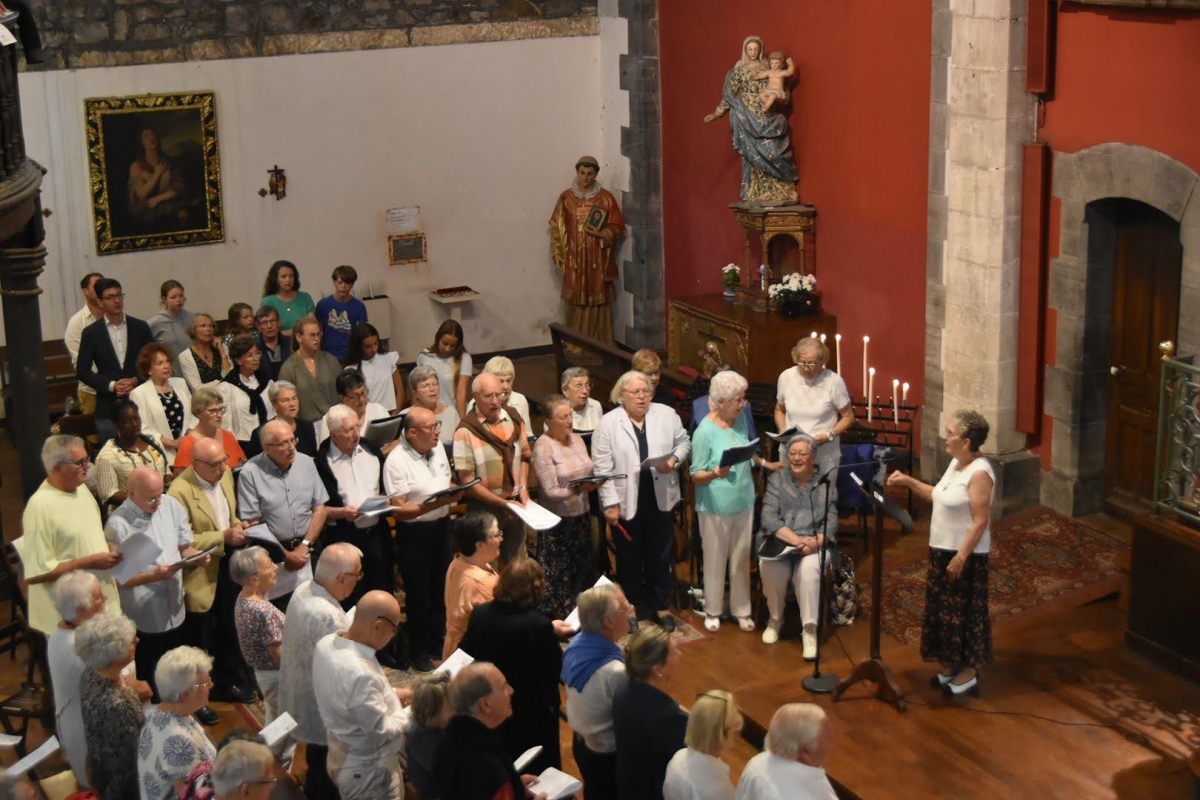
{"points": [[597, 218], [406, 248]]}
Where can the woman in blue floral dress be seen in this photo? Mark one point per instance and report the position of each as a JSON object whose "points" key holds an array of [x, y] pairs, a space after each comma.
{"points": [[172, 744]]}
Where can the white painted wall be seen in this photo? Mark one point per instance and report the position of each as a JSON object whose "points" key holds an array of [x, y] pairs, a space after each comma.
{"points": [[482, 136]]}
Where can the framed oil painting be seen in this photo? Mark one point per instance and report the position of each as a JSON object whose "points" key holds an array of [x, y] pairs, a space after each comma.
{"points": [[155, 171]]}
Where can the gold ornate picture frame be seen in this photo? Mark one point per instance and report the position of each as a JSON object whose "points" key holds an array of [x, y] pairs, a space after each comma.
{"points": [[155, 171], [406, 248]]}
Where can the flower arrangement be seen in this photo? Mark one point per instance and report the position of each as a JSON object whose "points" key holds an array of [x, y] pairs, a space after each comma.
{"points": [[794, 295], [731, 276]]}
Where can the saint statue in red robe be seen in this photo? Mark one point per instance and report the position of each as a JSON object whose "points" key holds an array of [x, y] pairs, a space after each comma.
{"points": [[585, 228]]}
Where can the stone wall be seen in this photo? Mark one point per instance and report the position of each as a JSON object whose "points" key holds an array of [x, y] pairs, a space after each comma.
{"points": [[101, 33]]}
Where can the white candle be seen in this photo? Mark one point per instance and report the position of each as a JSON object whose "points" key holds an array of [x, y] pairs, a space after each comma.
{"points": [[895, 405], [866, 341], [822, 338], [837, 344], [812, 335], [870, 393], [904, 395]]}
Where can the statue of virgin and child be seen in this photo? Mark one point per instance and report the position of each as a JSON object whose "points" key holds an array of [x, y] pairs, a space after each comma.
{"points": [[754, 92]]}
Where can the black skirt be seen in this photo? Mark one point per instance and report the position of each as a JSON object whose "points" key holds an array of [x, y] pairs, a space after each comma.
{"points": [[566, 554], [957, 631]]}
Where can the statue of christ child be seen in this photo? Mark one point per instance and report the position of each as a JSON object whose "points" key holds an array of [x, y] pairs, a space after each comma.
{"points": [[776, 78]]}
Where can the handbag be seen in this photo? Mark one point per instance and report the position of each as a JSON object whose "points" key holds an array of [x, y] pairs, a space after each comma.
{"points": [[843, 607]]}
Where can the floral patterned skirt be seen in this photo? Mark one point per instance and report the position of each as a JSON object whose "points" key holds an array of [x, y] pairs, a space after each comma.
{"points": [[566, 556], [957, 631]]}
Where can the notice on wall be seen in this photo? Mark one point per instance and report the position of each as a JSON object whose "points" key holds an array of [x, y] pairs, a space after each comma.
{"points": [[404, 220]]}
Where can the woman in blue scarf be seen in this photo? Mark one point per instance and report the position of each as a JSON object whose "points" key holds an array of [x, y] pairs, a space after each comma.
{"points": [[593, 669]]}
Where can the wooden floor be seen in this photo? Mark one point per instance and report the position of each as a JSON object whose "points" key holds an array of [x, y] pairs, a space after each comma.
{"points": [[1133, 724]]}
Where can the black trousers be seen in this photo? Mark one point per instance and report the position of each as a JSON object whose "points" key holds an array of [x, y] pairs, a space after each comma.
{"points": [[378, 559], [317, 783], [598, 770], [215, 632], [150, 648], [644, 559], [425, 555]]}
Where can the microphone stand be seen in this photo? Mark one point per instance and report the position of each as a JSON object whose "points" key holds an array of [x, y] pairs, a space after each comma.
{"points": [[818, 683]]}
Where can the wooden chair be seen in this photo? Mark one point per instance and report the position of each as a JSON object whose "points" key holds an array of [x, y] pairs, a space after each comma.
{"points": [[11, 635], [33, 700]]}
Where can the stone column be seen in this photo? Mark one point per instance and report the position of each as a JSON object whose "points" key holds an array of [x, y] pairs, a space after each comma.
{"points": [[989, 115]]}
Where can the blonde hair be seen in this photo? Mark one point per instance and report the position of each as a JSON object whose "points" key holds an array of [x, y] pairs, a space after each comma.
{"points": [[619, 386], [500, 366], [646, 360], [713, 717], [649, 646]]}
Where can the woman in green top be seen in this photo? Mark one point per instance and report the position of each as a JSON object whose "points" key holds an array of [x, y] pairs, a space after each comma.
{"points": [[282, 293], [725, 500]]}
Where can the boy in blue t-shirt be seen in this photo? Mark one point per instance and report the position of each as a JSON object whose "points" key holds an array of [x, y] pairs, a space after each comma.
{"points": [[340, 313]]}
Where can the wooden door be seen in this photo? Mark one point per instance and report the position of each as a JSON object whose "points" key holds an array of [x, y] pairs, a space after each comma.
{"points": [[1145, 309]]}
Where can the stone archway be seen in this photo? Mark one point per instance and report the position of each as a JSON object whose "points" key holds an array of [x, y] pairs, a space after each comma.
{"points": [[1074, 394]]}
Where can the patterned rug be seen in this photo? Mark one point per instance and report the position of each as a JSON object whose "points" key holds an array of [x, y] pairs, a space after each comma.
{"points": [[1038, 558]]}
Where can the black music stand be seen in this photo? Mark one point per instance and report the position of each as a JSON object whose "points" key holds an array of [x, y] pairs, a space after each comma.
{"points": [[874, 669]]}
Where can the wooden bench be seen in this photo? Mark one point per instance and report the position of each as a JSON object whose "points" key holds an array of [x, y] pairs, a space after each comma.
{"points": [[60, 378]]}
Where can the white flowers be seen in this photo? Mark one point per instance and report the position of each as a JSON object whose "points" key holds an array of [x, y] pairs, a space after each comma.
{"points": [[794, 283], [728, 268]]}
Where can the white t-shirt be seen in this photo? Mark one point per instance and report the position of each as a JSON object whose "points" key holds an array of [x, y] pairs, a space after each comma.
{"points": [[447, 378], [952, 507], [693, 775], [407, 471], [812, 406], [769, 777], [378, 374]]}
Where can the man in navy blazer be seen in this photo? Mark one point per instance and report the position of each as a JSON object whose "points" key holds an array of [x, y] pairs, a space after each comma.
{"points": [[108, 353]]}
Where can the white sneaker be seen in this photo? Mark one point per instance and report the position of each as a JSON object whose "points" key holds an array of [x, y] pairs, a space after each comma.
{"points": [[771, 632], [712, 624], [810, 646], [746, 624]]}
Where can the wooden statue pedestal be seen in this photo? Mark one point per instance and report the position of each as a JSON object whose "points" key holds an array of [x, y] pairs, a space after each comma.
{"points": [[767, 222]]}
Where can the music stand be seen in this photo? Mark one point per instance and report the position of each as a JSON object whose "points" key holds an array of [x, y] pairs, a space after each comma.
{"points": [[874, 669]]}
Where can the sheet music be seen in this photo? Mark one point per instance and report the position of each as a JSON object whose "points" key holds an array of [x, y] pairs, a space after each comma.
{"points": [[36, 757], [535, 516], [457, 660], [280, 727], [556, 784], [138, 552]]}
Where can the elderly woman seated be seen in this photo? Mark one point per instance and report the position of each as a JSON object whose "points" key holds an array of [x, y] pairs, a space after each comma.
{"points": [[243, 771], [112, 711], [794, 527], [172, 743]]}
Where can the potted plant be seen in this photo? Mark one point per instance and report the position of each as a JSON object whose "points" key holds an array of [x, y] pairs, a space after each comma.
{"points": [[731, 276], [795, 295]]}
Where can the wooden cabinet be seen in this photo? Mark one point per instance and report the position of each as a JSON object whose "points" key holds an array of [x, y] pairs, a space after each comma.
{"points": [[706, 330], [1164, 606]]}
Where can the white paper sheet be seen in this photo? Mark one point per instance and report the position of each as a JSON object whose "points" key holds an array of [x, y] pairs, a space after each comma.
{"points": [[457, 660], [524, 759], [36, 757], [535, 516], [654, 461], [138, 553], [556, 784], [8, 740], [280, 727], [374, 506], [573, 617]]}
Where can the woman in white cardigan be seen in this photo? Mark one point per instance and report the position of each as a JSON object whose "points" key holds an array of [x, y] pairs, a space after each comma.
{"points": [[164, 403], [640, 506]]}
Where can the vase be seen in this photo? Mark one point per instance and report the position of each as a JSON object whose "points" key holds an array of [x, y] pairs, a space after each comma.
{"points": [[729, 292]]}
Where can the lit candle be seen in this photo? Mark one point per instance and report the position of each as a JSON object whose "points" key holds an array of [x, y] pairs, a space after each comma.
{"points": [[837, 344], [866, 341], [904, 395], [822, 338], [895, 405], [870, 393], [812, 335]]}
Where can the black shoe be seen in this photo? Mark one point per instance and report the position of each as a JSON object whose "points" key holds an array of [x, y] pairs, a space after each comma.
{"points": [[392, 660], [422, 663], [666, 621], [207, 716], [232, 693]]}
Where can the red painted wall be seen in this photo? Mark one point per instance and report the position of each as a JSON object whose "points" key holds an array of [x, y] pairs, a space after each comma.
{"points": [[860, 131], [1121, 76]]}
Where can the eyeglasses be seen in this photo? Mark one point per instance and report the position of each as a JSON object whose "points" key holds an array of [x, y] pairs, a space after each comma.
{"points": [[361, 394], [117, 296], [638, 392], [204, 685], [433, 426], [498, 535], [285, 443], [806, 364], [215, 410], [395, 627], [81, 463]]}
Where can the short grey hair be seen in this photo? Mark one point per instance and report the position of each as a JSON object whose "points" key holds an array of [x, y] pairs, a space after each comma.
{"points": [[337, 415], [477, 380], [469, 686], [421, 374], [72, 592], [793, 727], [104, 639], [501, 366], [177, 671], [571, 373], [56, 449], [595, 605], [337, 559], [802, 437], [243, 564], [725, 386], [280, 386], [810, 343], [239, 763], [972, 426], [204, 397], [619, 386]]}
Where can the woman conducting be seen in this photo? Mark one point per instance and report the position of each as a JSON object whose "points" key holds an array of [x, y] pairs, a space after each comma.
{"points": [[956, 631]]}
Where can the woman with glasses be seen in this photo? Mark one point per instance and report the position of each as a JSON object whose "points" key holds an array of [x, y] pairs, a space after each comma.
{"points": [[245, 388], [640, 507], [697, 772], [649, 364], [129, 449], [172, 743], [163, 401], [285, 402], [814, 400], [203, 362], [425, 387], [209, 408], [470, 580], [311, 370]]}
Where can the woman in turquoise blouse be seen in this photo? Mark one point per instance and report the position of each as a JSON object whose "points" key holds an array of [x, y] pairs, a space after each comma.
{"points": [[725, 501], [281, 291]]}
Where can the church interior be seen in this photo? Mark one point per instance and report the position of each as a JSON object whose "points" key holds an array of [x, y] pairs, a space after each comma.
{"points": [[983, 205]]}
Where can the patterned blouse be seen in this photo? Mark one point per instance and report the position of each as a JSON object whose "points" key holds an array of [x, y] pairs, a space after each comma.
{"points": [[169, 748], [173, 408], [209, 371], [114, 463], [556, 464], [259, 624], [112, 717]]}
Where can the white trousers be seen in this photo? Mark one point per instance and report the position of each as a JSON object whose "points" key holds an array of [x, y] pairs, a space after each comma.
{"points": [[805, 575], [268, 684], [726, 540], [365, 779]]}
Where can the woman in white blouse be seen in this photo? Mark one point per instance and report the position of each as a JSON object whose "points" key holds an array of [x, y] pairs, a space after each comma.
{"points": [[245, 390], [576, 385], [640, 506], [697, 772], [814, 400], [385, 385], [164, 402]]}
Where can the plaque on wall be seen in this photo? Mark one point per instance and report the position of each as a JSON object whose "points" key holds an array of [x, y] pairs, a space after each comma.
{"points": [[406, 248]]}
